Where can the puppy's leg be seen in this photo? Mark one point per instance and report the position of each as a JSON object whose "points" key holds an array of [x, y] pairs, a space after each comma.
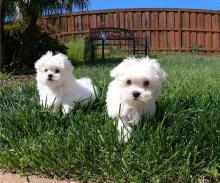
{"points": [[151, 111], [124, 130], [66, 108]]}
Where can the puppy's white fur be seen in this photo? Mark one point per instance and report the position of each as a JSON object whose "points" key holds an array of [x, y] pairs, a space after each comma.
{"points": [[134, 77], [57, 86]]}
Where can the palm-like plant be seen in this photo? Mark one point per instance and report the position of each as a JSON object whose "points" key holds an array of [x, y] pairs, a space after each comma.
{"points": [[31, 10], [6, 8], [1, 25]]}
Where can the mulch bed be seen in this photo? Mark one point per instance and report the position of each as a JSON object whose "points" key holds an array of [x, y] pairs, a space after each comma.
{"points": [[16, 79]]}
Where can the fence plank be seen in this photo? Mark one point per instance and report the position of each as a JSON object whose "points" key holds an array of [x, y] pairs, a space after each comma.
{"points": [[170, 34], [145, 20], [208, 35], [178, 19], [109, 19], [155, 34], [116, 19], [170, 40], [63, 23], [85, 22], [122, 20], [128, 20], [215, 26], [137, 20], [185, 34], [193, 35], [71, 26], [92, 21], [78, 23], [200, 25]]}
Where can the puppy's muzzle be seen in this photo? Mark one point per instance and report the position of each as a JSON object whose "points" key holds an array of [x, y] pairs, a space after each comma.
{"points": [[50, 76], [136, 94]]}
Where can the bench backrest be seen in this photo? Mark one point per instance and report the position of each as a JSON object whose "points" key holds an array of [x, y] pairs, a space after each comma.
{"points": [[110, 33]]}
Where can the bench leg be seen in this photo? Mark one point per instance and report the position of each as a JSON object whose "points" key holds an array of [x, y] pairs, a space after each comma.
{"points": [[133, 47], [103, 48], [92, 50]]}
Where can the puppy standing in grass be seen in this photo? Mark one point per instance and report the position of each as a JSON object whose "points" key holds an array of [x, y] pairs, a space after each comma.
{"points": [[56, 85], [133, 92]]}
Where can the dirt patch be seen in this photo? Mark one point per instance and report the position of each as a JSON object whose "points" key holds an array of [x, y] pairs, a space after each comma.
{"points": [[15, 178], [16, 79]]}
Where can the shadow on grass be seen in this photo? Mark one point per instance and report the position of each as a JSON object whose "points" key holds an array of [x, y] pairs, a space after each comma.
{"points": [[100, 61]]}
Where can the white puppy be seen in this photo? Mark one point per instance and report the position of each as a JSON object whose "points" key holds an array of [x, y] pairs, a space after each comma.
{"points": [[133, 92], [56, 85]]}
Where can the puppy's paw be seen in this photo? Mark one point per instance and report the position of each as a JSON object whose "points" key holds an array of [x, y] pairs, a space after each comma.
{"points": [[124, 131], [66, 108]]}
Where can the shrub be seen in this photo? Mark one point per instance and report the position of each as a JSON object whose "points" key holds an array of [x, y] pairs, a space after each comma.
{"points": [[13, 37], [76, 49], [79, 50], [196, 48], [4, 76], [24, 46]]}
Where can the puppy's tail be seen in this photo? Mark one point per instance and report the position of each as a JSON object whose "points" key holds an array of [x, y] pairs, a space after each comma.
{"points": [[85, 81], [89, 85]]}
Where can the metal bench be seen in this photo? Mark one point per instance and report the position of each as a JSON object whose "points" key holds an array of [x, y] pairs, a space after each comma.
{"points": [[109, 33]]}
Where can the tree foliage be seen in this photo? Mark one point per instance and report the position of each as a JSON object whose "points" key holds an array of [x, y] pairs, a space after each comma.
{"points": [[31, 10]]}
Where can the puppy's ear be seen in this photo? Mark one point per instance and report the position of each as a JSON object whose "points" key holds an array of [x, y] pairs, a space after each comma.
{"points": [[162, 75], [121, 67], [42, 60], [37, 64], [64, 62], [68, 66]]}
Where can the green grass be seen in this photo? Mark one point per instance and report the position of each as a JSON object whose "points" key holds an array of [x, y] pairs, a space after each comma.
{"points": [[76, 49], [181, 144], [4, 76]]}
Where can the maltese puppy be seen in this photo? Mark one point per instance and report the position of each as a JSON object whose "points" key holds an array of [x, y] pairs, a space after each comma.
{"points": [[56, 85], [133, 92]]}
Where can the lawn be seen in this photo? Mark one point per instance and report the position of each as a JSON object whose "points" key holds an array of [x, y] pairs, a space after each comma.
{"points": [[181, 144]]}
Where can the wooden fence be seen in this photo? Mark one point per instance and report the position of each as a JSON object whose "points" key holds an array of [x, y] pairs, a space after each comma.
{"points": [[165, 29]]}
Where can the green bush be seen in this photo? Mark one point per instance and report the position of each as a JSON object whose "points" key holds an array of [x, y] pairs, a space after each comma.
{"points": [[24, 46], [76, 49], [4, 76], [79, 50], [196, 48], [13, 37]]}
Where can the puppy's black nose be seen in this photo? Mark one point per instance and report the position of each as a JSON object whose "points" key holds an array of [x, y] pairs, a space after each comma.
{"points": [[50, 76], [136, 94]]}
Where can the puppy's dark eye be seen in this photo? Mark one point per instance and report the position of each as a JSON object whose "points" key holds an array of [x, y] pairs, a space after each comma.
{"points": [[46, 70], [146, 83], [57, 71], [128, 82]]}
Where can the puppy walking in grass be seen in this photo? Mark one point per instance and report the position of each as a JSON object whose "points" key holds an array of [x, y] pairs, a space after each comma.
{"points": [[133, 92], [57, 86]]}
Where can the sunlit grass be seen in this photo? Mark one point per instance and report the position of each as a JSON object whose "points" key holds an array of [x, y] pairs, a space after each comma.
{"points": [[181, 144]]}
